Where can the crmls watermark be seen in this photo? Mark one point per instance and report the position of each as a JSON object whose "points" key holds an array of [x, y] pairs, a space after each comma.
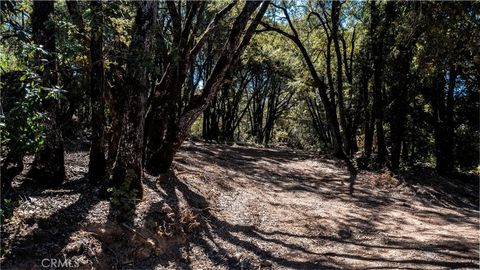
{"points": [[59, 263]]}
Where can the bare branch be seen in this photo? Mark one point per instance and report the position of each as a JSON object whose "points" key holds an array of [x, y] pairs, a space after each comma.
{"points": [[211, 27]]}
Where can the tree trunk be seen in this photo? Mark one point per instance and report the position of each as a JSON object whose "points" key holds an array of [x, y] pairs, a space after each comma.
{"points": [[449, 124], [330, 110], [315, 114], [156, 128], [163, 108], [339, 76], [127, 170], [206, 124], [365, 104], [239, 37], [97, 163], [48, 166], [378, 108], [161, 160], [116, 108], [443, 121], [399, 92], [378, 35]]}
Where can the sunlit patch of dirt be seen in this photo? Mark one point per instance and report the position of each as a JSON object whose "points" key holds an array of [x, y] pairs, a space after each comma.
{"points": [[236, 207], [292, 209]]}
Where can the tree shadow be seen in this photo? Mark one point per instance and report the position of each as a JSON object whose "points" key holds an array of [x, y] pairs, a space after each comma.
{"points": [[49, 235], [459, 190], [214, 230], [221, 240], [416, 262], [250, 164]]}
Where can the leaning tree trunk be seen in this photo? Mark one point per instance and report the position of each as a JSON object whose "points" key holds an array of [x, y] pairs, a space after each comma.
{"points": [[336, 7], [328, 102], [48, 166], [239, 37], [97, 163], [330, 110], [127, 170]]}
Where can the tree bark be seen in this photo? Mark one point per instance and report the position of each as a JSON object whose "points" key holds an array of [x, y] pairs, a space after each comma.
{"points": [[399, 89], [378, 49], [161, 160], [116, 111], [97, 163], [127, 170], [239, 37], [336, 7]]}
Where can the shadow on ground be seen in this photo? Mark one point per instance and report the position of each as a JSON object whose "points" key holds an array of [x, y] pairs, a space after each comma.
{"points": [[246, 208]]}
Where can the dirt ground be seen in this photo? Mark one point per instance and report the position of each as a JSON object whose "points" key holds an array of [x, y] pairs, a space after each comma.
{"points": [[236, 207]]}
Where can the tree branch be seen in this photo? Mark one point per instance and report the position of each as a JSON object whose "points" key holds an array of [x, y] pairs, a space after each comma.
{"points": [[213, 24]]}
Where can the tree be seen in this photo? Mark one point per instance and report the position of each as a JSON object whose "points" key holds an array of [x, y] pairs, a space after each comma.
{"points": [[399, 78], [446, 60], [270, 98], [48, 166], [396, 80], [178, 127], [224, 114], [127, 170], [328, 102], [166, 101], [97, 162]]}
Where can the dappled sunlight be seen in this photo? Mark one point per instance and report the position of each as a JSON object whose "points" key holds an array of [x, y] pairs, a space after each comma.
{"points": [[257, 210], [257, 134], [304, 216]]}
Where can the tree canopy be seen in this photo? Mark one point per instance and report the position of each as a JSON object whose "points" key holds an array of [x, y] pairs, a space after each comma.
{"points": [[379, 84]]}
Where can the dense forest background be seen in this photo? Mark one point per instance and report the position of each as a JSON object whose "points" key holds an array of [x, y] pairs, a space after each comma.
{"points": [[239, 134], [380, 84]]}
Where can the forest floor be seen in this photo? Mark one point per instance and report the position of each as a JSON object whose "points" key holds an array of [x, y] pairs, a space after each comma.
{"points": [[240, 207]]}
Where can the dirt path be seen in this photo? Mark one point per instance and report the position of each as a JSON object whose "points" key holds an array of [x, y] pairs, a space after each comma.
{"points": [[240, 207], [294, 210]]}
